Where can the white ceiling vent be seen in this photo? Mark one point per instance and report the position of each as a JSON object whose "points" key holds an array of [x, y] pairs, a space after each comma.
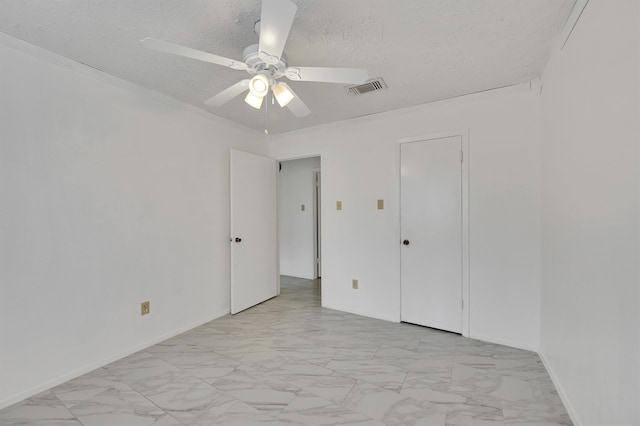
{"points": [[370, 86]]}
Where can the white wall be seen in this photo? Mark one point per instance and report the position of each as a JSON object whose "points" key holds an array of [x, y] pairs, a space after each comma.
{"points": [[296, 227], [107, 198], [590, 283], [360, 164]]}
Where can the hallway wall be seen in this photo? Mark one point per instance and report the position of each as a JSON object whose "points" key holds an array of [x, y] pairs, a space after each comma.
{"points": [[296, 227]]}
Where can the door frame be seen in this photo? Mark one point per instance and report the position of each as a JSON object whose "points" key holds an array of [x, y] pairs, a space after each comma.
{"points": [[320, 210], [317, 226], [466, 292]]}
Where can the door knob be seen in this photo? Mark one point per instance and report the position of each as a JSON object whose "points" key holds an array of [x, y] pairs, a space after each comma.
{"points": [[405, 242], [238, 240]]}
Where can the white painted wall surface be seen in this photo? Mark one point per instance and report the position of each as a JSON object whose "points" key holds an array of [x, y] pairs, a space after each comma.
{"points": [[295, 227], [590, 329], [107, 198], [360, 164]]}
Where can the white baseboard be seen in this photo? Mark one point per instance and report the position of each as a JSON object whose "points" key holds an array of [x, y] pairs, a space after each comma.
{"points": [[362, 313], [575, 419], [101, 363], [505, 342]]}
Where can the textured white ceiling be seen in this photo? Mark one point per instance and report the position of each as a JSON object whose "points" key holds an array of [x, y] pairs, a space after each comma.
{"points": [[425, 50]]}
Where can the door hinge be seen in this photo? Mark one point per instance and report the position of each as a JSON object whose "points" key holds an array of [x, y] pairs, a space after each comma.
{"points": [[462, 304], [461, 156]]}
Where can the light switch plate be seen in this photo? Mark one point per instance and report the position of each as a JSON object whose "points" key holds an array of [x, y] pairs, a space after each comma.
{"points": [[354, 284], [145, 308], [338, 205], [301, 207], [380, 204]]}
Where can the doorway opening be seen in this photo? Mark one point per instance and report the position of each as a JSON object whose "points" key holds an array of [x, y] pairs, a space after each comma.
{"points": [[299, 218], [317, 229]]}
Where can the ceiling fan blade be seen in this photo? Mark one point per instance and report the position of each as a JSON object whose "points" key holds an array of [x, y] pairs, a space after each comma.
{"points": [[275, 24], [229, 93], [328, 75], [296, 106], [176, 49]]}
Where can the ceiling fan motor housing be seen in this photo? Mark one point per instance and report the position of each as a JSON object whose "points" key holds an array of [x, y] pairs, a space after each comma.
{"points": [[257, 65]]}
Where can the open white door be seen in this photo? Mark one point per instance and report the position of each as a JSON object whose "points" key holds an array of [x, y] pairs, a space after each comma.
{"points": [[254, 258]]}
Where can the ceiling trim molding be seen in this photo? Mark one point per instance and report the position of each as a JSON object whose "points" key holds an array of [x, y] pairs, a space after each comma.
{"points": [[571, 23], [103, 77], [481, 96], [563, 38]]}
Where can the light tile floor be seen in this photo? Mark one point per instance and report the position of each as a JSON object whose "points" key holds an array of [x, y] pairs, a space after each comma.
{"points": [[289, 361]]}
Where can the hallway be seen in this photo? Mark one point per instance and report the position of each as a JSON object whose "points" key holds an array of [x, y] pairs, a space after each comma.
{"points": [[289, 361]]}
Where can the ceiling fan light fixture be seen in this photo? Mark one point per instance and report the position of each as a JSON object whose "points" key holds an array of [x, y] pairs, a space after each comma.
{"points": [[253, 100], [282, 93], [259, 85], [265, 62]]}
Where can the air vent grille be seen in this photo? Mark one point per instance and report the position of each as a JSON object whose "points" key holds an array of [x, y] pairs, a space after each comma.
{"points": [[370, 86]]}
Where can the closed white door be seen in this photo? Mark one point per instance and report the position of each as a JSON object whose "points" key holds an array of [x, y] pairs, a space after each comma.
{"points": [[254, 244], [431, 229]]}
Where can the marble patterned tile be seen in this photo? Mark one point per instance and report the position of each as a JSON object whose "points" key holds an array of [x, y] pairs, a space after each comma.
{"points": [[474, 415], [258, 356], [43, 409], [526, 366], [290, 361], [530, 414], [317, 355], [513, 389], [264, 393], [301, 368], [207, 365], [474, 347], [283, 341], [476, 385], [434, 349], [192, 401], [383, 375], [346, 341], [411, 361], [432, 386], [145, 372], [392, 408], [121, 408], [333, 388], [475, 361], [390, 338], [313, 410], [98, 398], [240, 418]]}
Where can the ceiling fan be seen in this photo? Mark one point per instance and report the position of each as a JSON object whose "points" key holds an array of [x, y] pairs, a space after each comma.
{"points": [[266, 63]]}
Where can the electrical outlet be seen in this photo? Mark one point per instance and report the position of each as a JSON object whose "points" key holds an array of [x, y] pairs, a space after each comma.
{"points": [[145, 308], [354, 284]]}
